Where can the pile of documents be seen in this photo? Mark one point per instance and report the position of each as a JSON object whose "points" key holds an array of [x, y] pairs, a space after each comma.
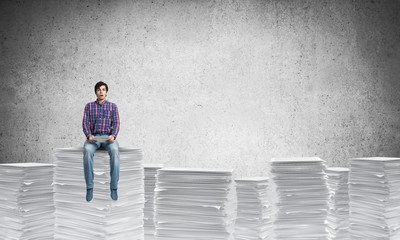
{"points": [[302, 198], [195, 204], [150, 172], [338, 203], [102, 218], [26, 201], [374, 193], [254, 211]]}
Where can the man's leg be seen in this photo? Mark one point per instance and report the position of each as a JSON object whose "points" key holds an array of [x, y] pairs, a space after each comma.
{"points": [[113, 151], [88, 153]]}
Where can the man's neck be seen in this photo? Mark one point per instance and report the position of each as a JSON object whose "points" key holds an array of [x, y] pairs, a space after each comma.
{"points": [[101, 101]]}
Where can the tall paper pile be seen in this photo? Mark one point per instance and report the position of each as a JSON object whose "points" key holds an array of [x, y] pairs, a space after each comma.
{"points": [[375, 198], [254, 211], [102, 218], [150, 172], [302, 196], [338, 211], [195, 204], [26, 201]]}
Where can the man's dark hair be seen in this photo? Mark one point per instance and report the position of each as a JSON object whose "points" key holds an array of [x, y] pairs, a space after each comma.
{"points": [[99, 84]]}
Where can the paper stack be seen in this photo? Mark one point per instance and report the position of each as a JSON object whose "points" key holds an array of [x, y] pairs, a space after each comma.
{"points": [[374, 198], [150, 172], [302, 195], [254, 211], [26, 201], [195, 204], [338, 203], [102, 218]]}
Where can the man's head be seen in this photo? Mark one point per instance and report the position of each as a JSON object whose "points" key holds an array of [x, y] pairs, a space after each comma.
{"points": [[101, 90]]}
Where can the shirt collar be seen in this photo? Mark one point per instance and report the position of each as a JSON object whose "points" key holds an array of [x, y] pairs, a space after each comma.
{"points": [[97, 101]]}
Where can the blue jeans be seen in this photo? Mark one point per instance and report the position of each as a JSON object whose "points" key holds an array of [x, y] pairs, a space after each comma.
{"points": [[88, 153]]}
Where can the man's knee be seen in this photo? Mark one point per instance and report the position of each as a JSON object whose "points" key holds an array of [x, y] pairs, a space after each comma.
{"points": [[113, 149], [88, 149]]}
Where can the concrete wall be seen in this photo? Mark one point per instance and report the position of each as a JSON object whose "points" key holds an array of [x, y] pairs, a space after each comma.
{"points": [[226, 84]]}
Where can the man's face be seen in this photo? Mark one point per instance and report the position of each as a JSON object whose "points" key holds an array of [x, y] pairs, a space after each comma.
{"points": [[101, 93]]}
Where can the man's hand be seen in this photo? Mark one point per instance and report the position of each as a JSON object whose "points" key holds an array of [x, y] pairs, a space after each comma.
{"points": [[91, 139], [111, 140]]}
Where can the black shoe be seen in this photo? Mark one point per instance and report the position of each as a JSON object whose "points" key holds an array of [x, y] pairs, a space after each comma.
{"points": [[114, 194], [89, 194]]}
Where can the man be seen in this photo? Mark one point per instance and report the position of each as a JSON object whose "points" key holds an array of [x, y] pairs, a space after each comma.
{"points": [[101, 119]]}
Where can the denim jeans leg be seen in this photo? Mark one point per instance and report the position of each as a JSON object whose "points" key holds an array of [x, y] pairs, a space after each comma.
{"points": [[113, 151], [88, 153]]}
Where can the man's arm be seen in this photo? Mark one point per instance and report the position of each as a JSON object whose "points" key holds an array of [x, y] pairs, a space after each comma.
{"points": [[115, 123], [86, 122]]}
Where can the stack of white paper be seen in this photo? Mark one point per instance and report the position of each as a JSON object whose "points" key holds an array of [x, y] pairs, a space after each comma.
{"points": [[195, 204], [101, 139], [254, 211], [102, 218], [26, 201], [338, 203], [150, 172], [302, 195], [374, 198]]}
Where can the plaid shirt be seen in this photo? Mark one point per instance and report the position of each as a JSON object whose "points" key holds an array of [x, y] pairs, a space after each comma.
{"points": [[101, 118]]}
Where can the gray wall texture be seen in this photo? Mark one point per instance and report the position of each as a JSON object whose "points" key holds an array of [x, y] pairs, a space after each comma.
{"points": [[221, 84]]}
